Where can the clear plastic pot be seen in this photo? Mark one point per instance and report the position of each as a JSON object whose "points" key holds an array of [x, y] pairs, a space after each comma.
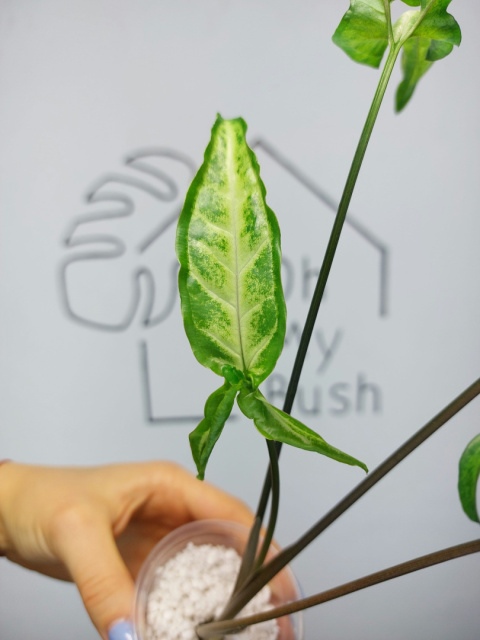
{"points": [[284, 586]]}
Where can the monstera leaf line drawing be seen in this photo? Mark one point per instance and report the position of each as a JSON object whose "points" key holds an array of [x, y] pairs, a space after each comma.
{"points": [[88, 247]]}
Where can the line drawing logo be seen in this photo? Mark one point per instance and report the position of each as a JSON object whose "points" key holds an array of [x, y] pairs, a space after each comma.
{"points": [[147, 196]]}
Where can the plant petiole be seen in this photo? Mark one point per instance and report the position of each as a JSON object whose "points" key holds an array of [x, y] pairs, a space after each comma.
{"points": [[337, 229], [330, 252], [275, 481], [248, 557], [212, 629], [264, 575], [388, 15], [251, 562], [323, 277]]}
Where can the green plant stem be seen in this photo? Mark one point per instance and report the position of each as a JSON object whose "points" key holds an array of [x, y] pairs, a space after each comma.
{"points": [[264, 575], [337, 229], [330, 254], [249, 558], [388, 16], [212, 629], [275, 476]]}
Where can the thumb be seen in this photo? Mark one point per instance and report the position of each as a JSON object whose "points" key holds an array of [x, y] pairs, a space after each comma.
{"points": [[104, 582]]}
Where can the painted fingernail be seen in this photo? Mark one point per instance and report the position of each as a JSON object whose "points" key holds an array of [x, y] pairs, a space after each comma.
{"points": [[121, 630]]}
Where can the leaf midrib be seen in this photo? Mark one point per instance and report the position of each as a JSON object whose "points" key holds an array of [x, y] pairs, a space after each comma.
{"points": [[232, 194]]}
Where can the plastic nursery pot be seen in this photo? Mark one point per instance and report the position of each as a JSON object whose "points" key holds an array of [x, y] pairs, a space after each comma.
{"points": [[284, 587]]}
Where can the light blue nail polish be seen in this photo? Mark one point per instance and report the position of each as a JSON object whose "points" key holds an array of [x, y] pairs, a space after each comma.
{"points": [[121, 630]]}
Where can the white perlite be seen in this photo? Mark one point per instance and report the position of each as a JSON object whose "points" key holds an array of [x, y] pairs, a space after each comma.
{"points": [[194, 586]]}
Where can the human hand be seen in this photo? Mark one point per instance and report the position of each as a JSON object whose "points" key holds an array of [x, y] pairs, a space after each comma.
{"points": [[96, 525]]}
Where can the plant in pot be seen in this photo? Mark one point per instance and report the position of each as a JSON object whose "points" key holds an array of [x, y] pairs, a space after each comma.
{"points": [[228, 246]]}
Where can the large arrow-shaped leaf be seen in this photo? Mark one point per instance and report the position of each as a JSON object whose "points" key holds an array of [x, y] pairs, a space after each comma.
{"points": [[228, 245], [274, 424]]}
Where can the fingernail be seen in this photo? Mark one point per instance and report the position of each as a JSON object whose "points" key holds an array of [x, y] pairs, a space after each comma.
{"points": [[121, 630]]}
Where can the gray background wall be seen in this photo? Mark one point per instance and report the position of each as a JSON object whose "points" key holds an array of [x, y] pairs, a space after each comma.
{"points": [[90, 89]]}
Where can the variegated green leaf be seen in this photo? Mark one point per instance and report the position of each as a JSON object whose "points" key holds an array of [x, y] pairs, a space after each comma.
{"points": [[274, 424], [469, 472], [228, 245], [217, 410]]}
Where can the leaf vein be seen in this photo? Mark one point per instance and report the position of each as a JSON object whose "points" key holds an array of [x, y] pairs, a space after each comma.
{"points": [[260, 347], [253, 255], [195, 274], [215, 255], [208, 222], [223, 343], [255, 306]]}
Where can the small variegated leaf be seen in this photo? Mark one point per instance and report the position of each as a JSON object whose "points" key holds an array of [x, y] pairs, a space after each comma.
{"points": [[228, 245], [469, 472], [217, 410], [274, 424]]}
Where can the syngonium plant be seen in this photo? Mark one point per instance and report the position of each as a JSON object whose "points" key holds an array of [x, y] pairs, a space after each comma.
{"points": [[228, 246]]}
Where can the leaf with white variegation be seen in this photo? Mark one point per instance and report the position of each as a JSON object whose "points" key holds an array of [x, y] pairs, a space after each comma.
{"points": [[228, 245]]}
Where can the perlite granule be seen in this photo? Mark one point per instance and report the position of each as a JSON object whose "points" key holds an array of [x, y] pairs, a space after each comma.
{"points": [[193, 587]]}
